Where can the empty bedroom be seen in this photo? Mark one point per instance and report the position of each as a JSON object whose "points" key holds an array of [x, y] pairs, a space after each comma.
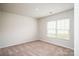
{"points": [[36, 29]]}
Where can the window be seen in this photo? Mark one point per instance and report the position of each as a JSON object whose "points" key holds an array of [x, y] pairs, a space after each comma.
{"points": [[59, 29], [51, 27]]}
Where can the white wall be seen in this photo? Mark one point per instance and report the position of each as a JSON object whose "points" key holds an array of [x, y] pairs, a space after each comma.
{"points": [[42, 28], [76, 30], [17, 29], [0, 20]]}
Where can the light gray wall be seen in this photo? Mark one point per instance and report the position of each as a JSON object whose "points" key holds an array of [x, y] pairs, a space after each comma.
{"points": [[0, 20], [76, 30], [17, 29], [42, 29]]}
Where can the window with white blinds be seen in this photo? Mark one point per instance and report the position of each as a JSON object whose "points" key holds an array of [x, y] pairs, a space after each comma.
{"points": [[59, 29]]}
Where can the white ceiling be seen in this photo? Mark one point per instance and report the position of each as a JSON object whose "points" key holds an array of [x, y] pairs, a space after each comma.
{"points": [[36, 10]]}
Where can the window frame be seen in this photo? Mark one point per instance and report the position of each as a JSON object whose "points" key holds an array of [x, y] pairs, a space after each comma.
{"points": [[59, 29]]}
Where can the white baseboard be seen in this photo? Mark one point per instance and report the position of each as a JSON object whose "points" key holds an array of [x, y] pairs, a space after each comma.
{"points": [[4, 46], [56, 44]]}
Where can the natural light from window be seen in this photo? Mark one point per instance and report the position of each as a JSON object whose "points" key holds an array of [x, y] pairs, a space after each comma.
{"points": [[59, 29]]}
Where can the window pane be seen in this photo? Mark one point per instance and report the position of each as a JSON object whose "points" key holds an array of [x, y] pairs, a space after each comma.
{"points": [[51, 35], [51, 29], [66, 24], [51, 24], [59, 29], [60, 24], [63, 24], [63, 34], [63, 29]]}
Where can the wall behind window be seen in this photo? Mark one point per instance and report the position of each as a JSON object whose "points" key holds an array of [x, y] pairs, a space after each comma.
{"points": [[61, 42]]}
